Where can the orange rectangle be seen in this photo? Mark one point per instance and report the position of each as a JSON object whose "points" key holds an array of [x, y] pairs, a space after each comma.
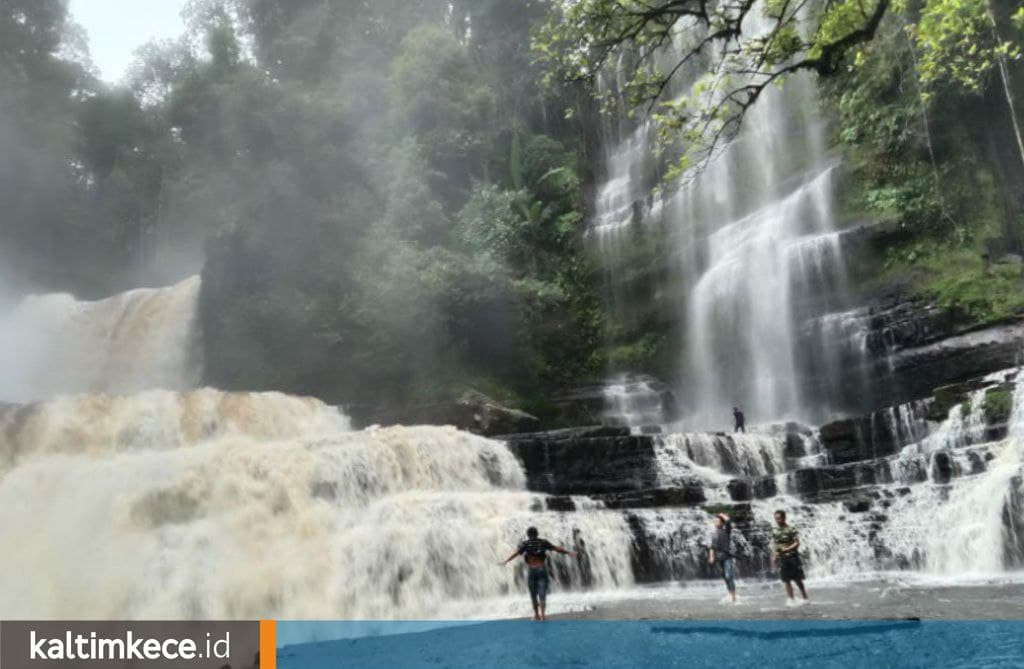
{"points": [[268, 644]]}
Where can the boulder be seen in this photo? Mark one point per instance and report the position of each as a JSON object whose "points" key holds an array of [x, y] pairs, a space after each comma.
{"points": [[482, 415]]}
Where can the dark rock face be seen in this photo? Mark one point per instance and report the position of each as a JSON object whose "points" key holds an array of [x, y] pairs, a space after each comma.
{"points": [[579, 465], [916, 365], [865, 437], [759, 487], [898, 348], [687, 495], [483, 415], [857, 504], [1013, 527], [560, 503], [942, 467], [739, 490]]}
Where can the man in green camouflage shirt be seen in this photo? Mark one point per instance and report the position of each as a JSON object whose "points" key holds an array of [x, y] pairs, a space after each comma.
{"points": [[786, 552]]}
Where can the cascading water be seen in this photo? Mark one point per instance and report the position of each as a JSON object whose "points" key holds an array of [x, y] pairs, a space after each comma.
{"points": [[755, 253], [214, 505], [208, 504], [635, 402], [140, 339], [205, 504]]}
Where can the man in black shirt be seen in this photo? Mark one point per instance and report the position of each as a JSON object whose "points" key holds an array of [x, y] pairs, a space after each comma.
{"points": [[740, 419], [721, 552], [534, 550]]}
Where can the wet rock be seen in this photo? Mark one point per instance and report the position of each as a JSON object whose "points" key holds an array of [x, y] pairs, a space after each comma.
{"points": [[957, 356], [796, 436], [948, 396], [857, 505], [977, 462], [488, 417], [588, 404], [942, 469], [996, 407], [863, 438], [765, 487], [806, 481], [739, 490], [647, 568], [567, 434], [560, 503], [471, 411], [568, 465], [687, 495], [741, 515], [1013, 529]]}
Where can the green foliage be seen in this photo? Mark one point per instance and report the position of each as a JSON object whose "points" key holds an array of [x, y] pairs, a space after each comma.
{"points": [[932, 168], [581, 39], [961, 282], [410, 270], [959, 43], [389, 215], [997, 406], [644, 354], [959, 279]]}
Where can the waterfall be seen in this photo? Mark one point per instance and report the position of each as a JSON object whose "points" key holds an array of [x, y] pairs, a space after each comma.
{"points": [[140, 339], [634, 401], [207, 504], [753, 246], [217, 505], [738, 455], [983, 517]]}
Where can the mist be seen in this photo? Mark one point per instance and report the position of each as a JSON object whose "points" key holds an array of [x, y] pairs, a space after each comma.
{"points": [[375, 197]]}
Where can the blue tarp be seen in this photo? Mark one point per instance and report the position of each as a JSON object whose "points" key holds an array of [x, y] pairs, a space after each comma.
{"points": [[615, 644]]}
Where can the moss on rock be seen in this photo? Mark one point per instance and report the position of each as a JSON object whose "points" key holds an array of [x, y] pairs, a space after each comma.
{"points": [[998, 405]]}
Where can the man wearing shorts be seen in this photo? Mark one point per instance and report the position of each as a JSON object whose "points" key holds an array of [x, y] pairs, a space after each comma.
{"points": [[786, 554], [534, 551]]}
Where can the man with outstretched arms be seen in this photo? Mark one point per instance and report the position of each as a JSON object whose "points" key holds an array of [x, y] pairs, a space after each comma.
{"points": [[535, 550]]}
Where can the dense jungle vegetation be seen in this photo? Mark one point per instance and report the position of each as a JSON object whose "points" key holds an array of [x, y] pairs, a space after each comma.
{"points": [[388, 199]]}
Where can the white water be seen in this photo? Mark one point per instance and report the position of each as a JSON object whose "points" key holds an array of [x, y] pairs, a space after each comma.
{"points": [[205, 504], [209, 504], [751, 239], [213, 505], [140, 339], [963, 529], [633, 401], [721, 456]]}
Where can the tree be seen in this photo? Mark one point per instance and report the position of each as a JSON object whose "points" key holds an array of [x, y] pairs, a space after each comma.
{"points": [[446, 105], [741, 47]]}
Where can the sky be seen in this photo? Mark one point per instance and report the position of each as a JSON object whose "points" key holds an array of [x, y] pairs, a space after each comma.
{"points": [[116, 28]]}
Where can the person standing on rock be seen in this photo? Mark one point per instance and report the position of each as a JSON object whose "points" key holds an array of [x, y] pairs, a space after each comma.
{"points": [[534, 550], [721, 553], [786, 553], [740, 419]]}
